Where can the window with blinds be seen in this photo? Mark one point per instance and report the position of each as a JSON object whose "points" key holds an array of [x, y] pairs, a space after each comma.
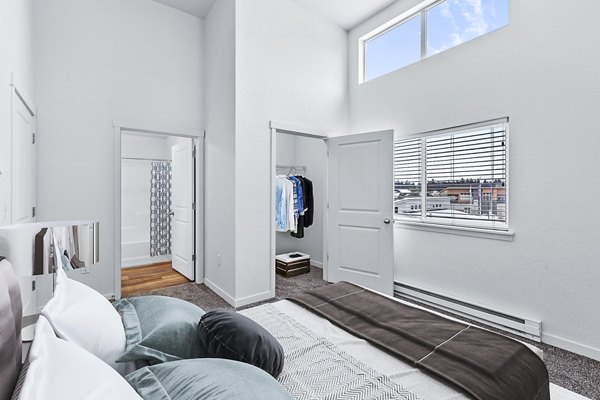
{"points": [[463, 172]]}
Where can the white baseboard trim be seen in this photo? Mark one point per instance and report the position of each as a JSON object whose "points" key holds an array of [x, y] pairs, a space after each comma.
{"points": [[253, 298], [317, 264], [571, 346], [222, 293]]}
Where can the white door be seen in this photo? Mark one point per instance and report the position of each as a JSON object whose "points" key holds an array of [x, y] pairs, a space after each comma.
{"points": [[23, 162], [360, 214], [182, 187]]}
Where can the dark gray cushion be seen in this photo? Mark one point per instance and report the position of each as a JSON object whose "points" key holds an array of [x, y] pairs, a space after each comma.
{"points": [[225, 334], [159, 328], [214, 379]]}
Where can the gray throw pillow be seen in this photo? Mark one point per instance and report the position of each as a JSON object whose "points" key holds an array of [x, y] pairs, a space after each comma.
{"points": [[159, 328], [214, 379], [225, 334]]}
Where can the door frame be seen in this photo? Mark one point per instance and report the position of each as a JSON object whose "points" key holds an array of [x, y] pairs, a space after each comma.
{"points": [[295, 130], [198, 136]]}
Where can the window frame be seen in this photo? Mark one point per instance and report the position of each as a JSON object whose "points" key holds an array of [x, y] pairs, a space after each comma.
{"points": [[432, 222], [418, 10]]}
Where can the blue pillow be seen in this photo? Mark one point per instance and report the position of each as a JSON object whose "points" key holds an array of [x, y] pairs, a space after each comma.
{"points": [[226, 334], [159, 329], [208, 378]]}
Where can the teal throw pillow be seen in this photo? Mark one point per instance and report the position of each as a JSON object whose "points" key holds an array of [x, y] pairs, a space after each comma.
{"points": [[159, 328], [208, 378]]}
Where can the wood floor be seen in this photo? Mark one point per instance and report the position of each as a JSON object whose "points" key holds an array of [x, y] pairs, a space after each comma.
{"points": [[149, 277]]}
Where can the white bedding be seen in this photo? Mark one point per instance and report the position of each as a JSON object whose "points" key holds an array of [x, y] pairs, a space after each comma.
{"points": [[417, 382]]}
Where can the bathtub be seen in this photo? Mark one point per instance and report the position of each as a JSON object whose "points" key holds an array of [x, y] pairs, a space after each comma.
{"points": [[136, 253]]}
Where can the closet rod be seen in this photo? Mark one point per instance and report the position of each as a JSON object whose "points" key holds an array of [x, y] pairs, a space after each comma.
{"points": [[291, 169], [144, 159]]}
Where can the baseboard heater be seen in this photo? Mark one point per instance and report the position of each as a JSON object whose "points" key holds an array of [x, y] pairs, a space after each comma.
{"points": [[525, 327]]}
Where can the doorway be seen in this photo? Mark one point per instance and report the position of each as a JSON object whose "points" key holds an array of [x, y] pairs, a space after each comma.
{"points": [[301, 154], [158, 204], [357, 244]]}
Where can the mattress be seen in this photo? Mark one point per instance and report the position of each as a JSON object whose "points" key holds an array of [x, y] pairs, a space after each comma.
{"points": [[348, 363]]}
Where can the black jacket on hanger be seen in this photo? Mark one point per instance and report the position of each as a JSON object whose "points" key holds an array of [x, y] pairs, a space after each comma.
{"points": [[309, 201], [299, 234]]}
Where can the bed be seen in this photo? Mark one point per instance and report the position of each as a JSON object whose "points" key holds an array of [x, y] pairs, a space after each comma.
{"points": [[322, 360]]}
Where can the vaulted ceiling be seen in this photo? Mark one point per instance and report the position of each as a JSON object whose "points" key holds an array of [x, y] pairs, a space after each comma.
{"points": [[199, 8], [344, 13]]}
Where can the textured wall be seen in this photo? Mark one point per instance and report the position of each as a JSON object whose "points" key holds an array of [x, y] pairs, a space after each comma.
{"points": [[290, 66], [220, 149], [544, 77], [97, 61]]}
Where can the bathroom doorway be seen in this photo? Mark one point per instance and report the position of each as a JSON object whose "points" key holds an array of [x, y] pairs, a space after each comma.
{"points": [[158, 219]]}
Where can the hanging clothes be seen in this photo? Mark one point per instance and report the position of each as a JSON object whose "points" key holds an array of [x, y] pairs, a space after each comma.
{"points": [[285, 209], [309, 204], [298, 207], [281, 219], [294, 204], [302, 207], [289, 189]]}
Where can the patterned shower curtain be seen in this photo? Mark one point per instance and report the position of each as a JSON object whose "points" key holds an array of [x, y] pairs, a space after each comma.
{"points": [[160, 208]]}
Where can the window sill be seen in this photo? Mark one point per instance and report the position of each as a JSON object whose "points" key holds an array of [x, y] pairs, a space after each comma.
{"points": [[507, 236]]}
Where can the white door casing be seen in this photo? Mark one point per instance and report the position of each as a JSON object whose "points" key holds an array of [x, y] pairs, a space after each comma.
{"points": [[182, 240], [360, 212], [23, 162]]}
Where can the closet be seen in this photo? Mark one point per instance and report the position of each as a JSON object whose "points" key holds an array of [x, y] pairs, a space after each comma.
{"points": [[352, 233], [304, 159]]}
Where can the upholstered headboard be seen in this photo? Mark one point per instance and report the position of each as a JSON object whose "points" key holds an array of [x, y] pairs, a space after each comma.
{"points": [[11, 318]]}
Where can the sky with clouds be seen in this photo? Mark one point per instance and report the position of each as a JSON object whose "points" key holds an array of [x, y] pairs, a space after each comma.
{"points": [[449, 24]]}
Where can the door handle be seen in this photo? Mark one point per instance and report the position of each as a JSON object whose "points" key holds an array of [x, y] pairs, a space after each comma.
{"points": [[386, 221], [172, 213]]}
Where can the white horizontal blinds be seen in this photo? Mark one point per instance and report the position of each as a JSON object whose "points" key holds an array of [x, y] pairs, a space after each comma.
{"points": [[466, 175], [407, 177]]}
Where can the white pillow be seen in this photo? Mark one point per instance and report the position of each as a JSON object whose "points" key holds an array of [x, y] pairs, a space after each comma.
{"points": [[61, 370], [80, 315]]}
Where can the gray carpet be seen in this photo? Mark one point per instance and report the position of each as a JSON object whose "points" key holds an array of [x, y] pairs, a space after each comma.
{"points": [[571, 371], [206, 299]]}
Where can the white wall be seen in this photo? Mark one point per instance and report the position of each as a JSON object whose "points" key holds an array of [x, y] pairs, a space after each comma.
{"points": [[16, 66], [290, 66], [313, 154], [22, 48], [135, 145], [298, 150], [220, 149], [98, 61], [544, 77]]}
